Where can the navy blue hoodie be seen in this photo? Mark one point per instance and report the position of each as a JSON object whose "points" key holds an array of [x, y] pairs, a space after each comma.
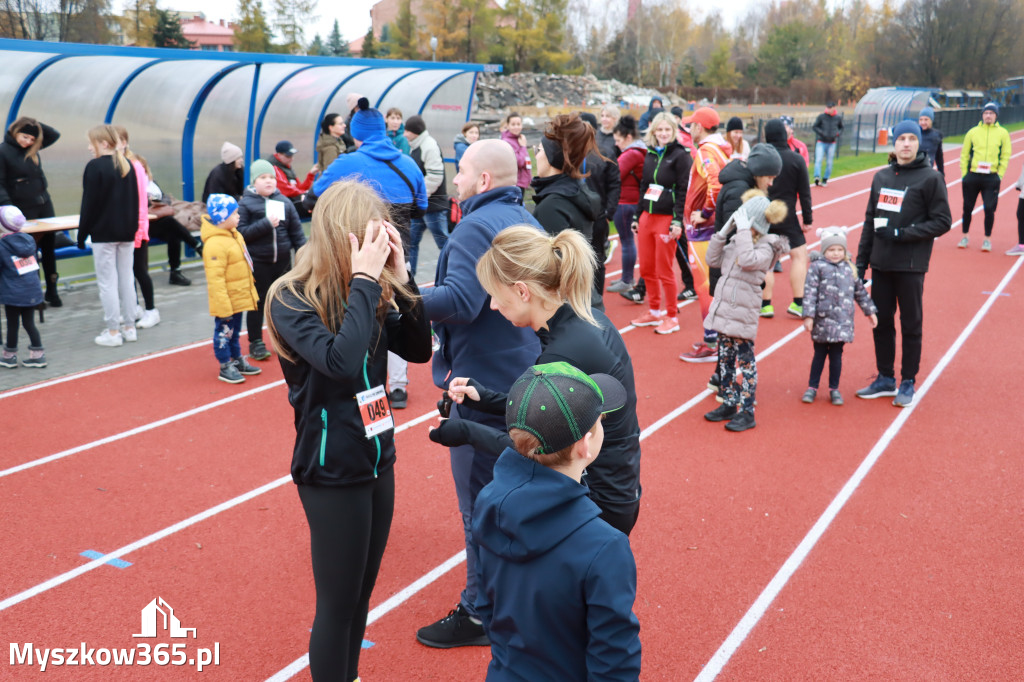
{"points": [[557, 583], [23, 291]]}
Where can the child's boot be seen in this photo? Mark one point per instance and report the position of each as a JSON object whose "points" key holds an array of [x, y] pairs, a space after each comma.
{"points": [[36, 358], [230, 374], [9, 358], [244, 367], [743, 420]]}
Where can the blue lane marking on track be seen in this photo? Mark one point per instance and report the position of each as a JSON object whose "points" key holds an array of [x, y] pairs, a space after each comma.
{"points": [[116, 563], [367, 644]]}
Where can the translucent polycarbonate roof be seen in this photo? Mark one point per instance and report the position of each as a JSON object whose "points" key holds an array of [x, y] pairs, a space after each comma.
{"points": [[180, 106]]}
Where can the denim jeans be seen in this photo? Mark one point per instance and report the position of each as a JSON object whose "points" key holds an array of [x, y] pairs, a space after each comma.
{"points": [[437, 223], [827, 149], [225, 337], [627, 244]]}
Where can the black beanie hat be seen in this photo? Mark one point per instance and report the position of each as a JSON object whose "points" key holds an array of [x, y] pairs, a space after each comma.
{"points": [[589, 118], [735, 123]]}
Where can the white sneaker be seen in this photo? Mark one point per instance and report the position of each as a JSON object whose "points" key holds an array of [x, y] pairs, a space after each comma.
{"points": [[150, 318], [107, 339], [129, 334], [139, 312]]}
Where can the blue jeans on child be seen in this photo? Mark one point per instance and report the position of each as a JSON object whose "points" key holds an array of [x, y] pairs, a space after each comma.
{"points": [[225, 337], [437, 223], [828, 150]]}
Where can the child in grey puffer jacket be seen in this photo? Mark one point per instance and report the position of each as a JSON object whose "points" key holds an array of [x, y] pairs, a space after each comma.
{"points": [[830, 290]]}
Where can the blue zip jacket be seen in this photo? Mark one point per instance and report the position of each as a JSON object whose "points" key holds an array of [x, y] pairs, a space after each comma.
{"points": [[23, 291], [557, 584], [476, 341], [368, 164]]}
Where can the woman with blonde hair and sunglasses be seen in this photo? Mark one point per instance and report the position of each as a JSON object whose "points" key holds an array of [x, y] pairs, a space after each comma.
{"points": [[545, 283], [109, 217], [333, 318]]}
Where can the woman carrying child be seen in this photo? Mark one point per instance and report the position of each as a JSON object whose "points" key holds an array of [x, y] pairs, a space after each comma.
{"points": [[333, 318], [544, 282], [831, 287], [744, 258]]}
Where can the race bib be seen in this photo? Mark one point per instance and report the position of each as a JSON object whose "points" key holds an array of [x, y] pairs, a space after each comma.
{"points": [[653, 192], [25, 265], [881, 223], [375, 411], [984, 167], [891, 199]]}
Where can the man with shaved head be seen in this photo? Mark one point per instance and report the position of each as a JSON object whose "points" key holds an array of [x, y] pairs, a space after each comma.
{"points": [[476, 342]]}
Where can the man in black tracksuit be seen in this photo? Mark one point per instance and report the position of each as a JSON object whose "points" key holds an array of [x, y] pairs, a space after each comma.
{"points": [[907, 210]]}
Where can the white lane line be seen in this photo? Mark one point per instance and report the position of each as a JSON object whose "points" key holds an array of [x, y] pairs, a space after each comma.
{"points": [[393, 602], [169, 530], [139, 429], [753, 615]]}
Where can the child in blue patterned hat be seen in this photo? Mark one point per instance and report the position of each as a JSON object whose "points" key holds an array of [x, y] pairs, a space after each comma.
{"points": [[229, 284]]}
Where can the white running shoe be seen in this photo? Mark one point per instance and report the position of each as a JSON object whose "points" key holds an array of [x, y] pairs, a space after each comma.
{"points": [[107, 339], [150, 318], [129, 334]]}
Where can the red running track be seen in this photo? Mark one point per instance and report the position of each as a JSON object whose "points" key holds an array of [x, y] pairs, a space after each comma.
{"points": [[917, 577]]}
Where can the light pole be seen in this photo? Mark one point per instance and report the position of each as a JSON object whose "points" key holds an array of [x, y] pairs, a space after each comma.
{"points": [[433, 48]]}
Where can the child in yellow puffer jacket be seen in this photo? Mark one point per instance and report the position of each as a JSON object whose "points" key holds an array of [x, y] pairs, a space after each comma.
{"points": [[229, 283]]}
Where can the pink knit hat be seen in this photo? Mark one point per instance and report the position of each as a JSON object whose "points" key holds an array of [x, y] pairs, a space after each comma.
{"points": [[11, 219]]}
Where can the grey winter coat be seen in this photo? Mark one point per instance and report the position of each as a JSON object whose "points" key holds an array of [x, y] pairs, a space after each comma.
{"points": [[736, 307], [829, 292]]}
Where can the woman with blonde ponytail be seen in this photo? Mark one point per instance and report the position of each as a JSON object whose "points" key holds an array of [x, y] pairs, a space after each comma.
{"points": [[109, 218], [333, 318], [545, 283]]}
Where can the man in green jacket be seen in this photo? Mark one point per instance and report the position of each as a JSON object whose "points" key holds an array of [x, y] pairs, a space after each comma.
{"points": [[983, 161]]}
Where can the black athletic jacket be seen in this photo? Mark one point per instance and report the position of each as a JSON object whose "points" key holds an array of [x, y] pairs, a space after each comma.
{"points": [[331, 447], [614, 477], [671, 169], [923, 216]]}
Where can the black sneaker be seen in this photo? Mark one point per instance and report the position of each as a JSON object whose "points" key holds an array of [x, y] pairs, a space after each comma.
{"points": [[634, 294], [455, 629], [179, 279], [824, 182], [817, 182], [686, 295], [398, 398], [53, 299], [715, 382], [721, 413], [230, 373], [777, 267], [742, 421], [258, 350], [245, 368]]}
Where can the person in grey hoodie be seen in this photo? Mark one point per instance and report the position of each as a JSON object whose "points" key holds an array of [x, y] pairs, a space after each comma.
{"points": [[831, 289]]}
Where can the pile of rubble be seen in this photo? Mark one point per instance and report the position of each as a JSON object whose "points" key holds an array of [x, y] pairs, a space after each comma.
{"points": [[497, 94]]}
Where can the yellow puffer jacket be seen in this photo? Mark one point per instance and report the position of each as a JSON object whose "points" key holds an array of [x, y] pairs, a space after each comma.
{"points": [[229, 283]]}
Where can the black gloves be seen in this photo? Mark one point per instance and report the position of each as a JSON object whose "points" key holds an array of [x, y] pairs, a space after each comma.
{"points": [[455, 432]]}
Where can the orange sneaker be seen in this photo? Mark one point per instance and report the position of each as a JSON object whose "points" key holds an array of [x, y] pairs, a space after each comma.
{"points": [[668, 325], [651, 318]]}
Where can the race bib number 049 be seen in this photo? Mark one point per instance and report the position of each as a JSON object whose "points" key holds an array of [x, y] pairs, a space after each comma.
{"points": [[375, 411]]}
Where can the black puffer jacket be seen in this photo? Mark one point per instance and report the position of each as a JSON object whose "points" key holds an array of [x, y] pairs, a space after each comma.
{"points": [[266, 243], [923, 215], [792, 181], [224, 179], [563, 202], [604, 179], [22, 182], [736, 179], [671, 169]]}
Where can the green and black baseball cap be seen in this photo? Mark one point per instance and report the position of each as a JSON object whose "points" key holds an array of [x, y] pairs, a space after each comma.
{"points": [[559, 404]]}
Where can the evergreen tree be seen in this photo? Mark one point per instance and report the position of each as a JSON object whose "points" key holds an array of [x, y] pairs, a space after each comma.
{"points": [[336, 45], [316, 48], [167, 31], [369, 50], [252, 33]]}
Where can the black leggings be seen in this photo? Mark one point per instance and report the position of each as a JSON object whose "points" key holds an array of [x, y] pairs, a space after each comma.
{"points": [[1020, 221], [140, 266], [683, 258], [834, 353], [174, 233], [264, 275], [20, 315], [348, 530], [987, 185]]}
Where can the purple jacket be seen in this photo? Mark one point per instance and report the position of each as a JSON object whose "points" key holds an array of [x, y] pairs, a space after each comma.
{"points": [[829, 293], [522, 159]]}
